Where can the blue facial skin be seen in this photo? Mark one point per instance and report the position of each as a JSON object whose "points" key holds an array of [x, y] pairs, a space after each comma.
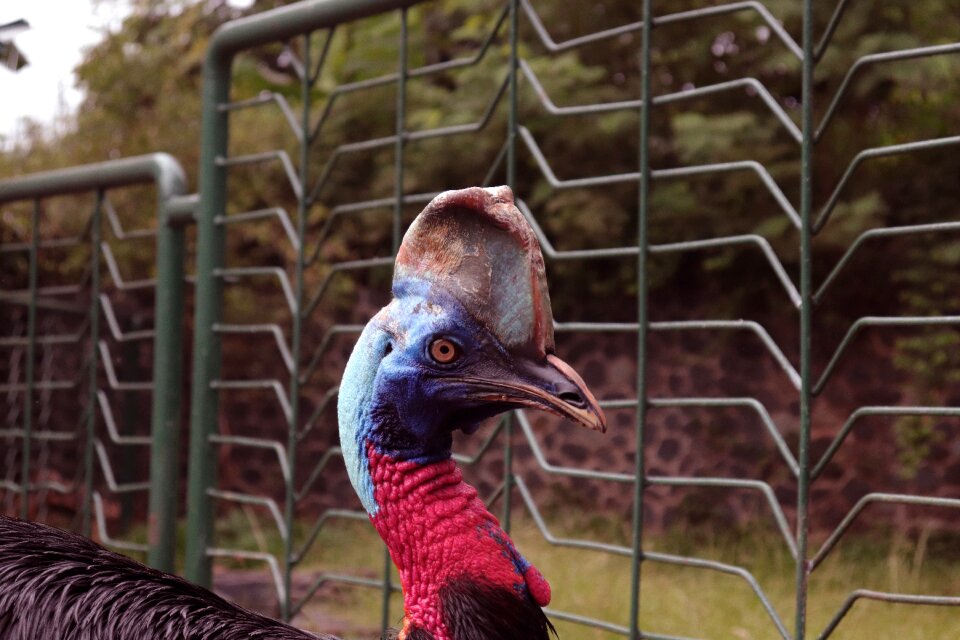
{"points": [[397, 397]]}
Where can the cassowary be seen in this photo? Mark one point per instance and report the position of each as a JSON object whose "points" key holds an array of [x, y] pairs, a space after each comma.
{"points": [[468, 335]]}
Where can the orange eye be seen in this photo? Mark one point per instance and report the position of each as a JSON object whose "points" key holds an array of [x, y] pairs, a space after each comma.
{"points": [[444, 351]]}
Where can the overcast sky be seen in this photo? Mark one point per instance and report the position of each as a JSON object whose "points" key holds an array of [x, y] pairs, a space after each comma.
{"points": [[59, 30]]}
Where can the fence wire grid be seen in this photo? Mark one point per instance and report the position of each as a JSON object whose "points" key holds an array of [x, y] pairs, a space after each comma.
{"points": [[340, 229]]}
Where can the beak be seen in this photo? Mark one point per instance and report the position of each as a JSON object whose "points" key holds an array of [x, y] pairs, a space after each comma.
{"points": [[553, 387]]}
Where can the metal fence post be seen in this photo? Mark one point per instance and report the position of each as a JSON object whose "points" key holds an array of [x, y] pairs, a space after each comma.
{"points": [[167, 371], [639, 480], [86, 509], [806, 312], [513, 121], [206, 344], [31, 347]]}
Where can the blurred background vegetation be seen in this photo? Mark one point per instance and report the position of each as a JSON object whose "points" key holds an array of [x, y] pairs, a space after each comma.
{"points": [[142, 86]]}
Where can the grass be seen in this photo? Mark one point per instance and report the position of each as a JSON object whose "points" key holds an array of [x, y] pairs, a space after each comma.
{"points": [[700, 603], [675, 600]]}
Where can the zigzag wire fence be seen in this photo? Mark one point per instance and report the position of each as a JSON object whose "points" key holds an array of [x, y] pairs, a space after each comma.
{"points": [[61, 339], [308, 29]]}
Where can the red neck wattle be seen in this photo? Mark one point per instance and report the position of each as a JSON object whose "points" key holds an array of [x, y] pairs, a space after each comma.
{"points": [[437, 530]]}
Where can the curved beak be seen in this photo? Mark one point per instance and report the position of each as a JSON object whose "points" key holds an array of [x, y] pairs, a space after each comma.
{"points": [[553, 387]]}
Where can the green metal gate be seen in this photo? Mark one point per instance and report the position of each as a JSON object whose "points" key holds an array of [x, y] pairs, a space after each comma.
{"points": [[300, 278], [62, 336]]}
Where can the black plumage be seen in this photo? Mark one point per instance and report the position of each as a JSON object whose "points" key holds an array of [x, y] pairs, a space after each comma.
{"points": [[58, 585], [475, 611]]}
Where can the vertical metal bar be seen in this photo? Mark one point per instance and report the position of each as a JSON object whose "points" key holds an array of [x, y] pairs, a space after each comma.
{"points": [[806, 310], [129, 417], [303, 210], [93, 367], [512, 97], [401, 128], [208, 294], [642, 214], [387, 590], [167, 389], [401, 123], [507, 471], [31, 354], [512, 124]]}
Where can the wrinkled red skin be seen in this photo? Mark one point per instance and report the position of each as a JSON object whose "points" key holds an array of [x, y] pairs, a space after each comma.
{"points": [[437, 529]]}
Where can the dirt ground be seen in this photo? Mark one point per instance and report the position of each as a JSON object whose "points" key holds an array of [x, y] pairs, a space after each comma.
{"points": [[256, 591]]}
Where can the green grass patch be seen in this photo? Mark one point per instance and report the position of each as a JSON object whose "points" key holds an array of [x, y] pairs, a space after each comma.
{"points": [[701, 603], [675, 600]]}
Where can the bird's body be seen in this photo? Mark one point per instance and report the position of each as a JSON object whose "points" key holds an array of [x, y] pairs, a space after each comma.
{"points": [[58, 585], [468, 335]]}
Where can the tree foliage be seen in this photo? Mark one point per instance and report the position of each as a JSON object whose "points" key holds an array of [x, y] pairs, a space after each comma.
{"points": [[142, 85]]}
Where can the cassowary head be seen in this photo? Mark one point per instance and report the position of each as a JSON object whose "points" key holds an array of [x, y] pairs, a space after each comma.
{"points": [[468, 335]]}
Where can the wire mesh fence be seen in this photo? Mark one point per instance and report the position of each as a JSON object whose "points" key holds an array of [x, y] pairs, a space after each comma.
{"points": [[335, 200], [78, 345], [716, 143]]}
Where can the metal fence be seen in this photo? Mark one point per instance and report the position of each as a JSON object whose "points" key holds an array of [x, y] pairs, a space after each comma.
{"points": [[307, 30], [73, 425], [286, 303]]}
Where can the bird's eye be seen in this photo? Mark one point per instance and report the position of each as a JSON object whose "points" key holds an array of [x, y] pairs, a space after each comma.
{"points": [[444, 351]]}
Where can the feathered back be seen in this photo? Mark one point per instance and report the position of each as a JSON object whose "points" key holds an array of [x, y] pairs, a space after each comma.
{"points": [[56, 584]]}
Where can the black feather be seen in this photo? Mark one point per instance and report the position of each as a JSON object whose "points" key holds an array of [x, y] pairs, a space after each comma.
{"points": [[476, 611], [412, 634], [56, 584]]}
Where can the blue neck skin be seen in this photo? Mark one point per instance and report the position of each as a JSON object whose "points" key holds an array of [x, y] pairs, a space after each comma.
{"points": [[395, 397]]}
